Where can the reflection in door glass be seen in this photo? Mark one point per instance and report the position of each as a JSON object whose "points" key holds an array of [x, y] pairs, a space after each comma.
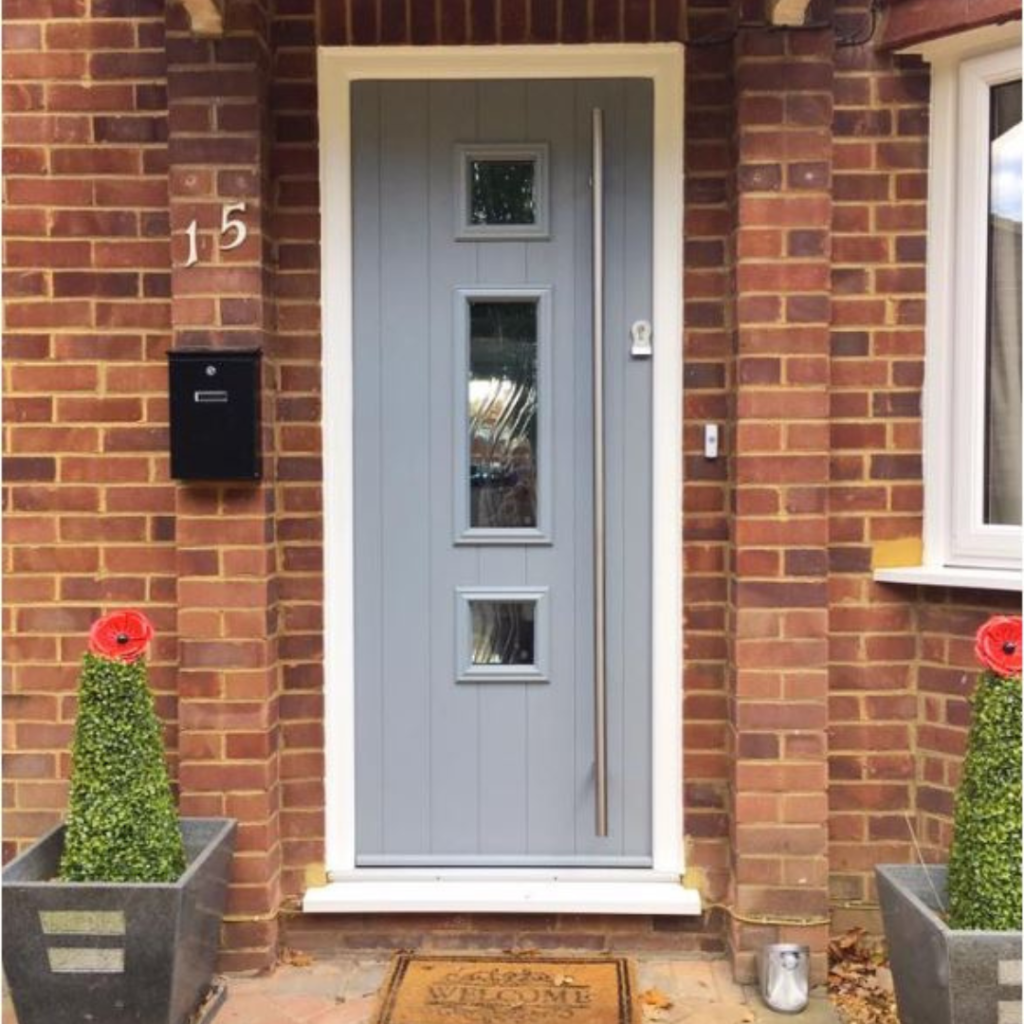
{"points": [[502, 192], [503, 632], [503, 414]]}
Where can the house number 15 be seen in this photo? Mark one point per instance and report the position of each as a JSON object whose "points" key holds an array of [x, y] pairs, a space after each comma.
{"points": [[229, 225]]}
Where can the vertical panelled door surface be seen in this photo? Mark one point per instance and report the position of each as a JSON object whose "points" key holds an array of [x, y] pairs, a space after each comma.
{"points": [[474, 448]]}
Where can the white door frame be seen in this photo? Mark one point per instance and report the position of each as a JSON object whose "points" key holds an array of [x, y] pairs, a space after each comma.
{"points": [[338, 68]]}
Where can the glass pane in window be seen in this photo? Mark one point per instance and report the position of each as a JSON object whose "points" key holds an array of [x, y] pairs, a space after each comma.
{"points": [[1003, 406], [502, 192], [503, 414], [503, 632]]}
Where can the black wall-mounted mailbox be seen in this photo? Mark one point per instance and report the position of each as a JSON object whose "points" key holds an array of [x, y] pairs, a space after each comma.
{"points": [[215, 415]]}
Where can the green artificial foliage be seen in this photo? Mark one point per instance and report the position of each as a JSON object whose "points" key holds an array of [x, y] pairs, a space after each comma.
{"points": [[985, 859], [122, 823]]}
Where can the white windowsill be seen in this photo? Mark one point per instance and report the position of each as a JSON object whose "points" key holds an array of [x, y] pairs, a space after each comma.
{"points": [[459, 895], [950, 576]]}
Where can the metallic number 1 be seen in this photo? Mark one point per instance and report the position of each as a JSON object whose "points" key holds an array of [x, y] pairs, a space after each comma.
{"points": [[193, 248]]}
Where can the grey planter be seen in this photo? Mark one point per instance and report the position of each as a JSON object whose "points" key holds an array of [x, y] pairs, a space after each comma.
{"points": [[103, 953], [944, 976]]}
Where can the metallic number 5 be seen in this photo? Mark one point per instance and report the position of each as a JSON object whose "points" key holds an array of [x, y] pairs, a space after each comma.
{"points": [[228, 223]]}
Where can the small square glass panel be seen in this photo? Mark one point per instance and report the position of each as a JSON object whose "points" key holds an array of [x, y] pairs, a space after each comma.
{"points": [[501, 635], [503, 632], [502, 191]]}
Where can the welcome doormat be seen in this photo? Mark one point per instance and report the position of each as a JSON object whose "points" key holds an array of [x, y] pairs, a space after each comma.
{"points": [[423, 989]]}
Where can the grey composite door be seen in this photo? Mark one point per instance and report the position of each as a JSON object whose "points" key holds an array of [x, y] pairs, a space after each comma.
{"points": [[474, 434]]}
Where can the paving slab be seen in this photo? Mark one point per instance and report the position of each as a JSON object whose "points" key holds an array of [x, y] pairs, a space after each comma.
{"points": [[819, 1011], [343, 990]]}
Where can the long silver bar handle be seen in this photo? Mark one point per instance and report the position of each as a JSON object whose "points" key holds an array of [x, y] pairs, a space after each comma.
{"points": [[600, 684]]}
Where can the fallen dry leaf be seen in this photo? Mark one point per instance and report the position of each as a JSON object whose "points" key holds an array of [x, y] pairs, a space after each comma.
{"points": [[656, 999], [859, 981], [295, 957]]}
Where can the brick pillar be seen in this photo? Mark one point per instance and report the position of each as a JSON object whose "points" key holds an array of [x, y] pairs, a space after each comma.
{"points": [[226, 549], [880, 126], [780, 472]]}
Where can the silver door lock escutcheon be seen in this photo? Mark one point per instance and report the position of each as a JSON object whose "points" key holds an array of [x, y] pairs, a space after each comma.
{"points": [[640, 335]]}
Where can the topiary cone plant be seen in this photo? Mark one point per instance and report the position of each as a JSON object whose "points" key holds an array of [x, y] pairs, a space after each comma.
{"points": [[953, 929], [985, 857], [122, 824], [115, 915]]}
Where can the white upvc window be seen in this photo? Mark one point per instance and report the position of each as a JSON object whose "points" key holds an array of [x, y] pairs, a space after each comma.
{"points": [[972, 396], [985, 481]]}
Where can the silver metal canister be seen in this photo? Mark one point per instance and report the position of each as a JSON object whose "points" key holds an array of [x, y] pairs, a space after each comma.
{"points": [[785, 976]]}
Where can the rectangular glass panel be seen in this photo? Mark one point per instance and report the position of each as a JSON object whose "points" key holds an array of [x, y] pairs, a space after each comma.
{"points": [[503, 414], [503, 632], [502, 191], [1003, 370]]}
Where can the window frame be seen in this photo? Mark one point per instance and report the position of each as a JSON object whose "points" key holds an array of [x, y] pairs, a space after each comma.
{"points": [[955, 536], [467, 671], [464, 532], [536, 153]]}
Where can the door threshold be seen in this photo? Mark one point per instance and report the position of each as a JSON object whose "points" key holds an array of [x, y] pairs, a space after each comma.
{"points": [[662, 895]]}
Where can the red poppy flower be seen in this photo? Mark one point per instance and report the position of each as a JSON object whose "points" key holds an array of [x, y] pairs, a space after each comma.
{"points": [[998, 645], [123, 636]]}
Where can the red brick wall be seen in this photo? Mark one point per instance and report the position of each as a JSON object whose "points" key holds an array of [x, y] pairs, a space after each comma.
{"points": [[452, 22], [804, 316], [946, 675], [779, 465], [879, 156], [229, 618], [296, 346], [902, 659], [89, 509], [707, 353], [899, 728]]}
